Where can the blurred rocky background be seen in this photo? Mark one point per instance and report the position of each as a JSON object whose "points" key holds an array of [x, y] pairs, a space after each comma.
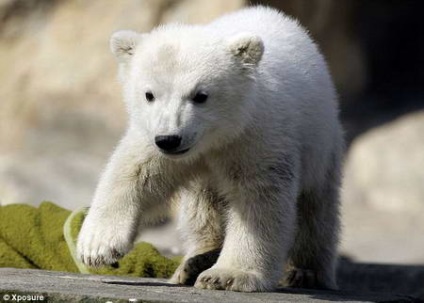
{"points": [[61, 112]]}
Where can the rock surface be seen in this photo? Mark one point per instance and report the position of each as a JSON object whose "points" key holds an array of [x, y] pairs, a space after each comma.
{"points": [[64, 287], [384, 166], [384, 278], [384, 194]]}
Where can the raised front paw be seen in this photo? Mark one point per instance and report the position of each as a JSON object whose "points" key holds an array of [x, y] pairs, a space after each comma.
{"points": [[102, 244], [232, 279]]}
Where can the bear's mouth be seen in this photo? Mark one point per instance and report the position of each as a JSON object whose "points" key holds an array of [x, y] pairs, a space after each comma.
{"points": [[175, 152]]}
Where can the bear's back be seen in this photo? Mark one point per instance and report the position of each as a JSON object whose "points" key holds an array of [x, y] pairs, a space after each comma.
{"points": [[291, 62], [282, 36], [295, 83]]}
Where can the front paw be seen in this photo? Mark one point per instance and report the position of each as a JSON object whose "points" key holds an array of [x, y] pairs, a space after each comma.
{"points": [[102, 244], [232, 279]]}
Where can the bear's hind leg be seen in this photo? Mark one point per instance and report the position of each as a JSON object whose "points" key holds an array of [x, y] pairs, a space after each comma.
{"points": [[201, 223], [313, 257]]}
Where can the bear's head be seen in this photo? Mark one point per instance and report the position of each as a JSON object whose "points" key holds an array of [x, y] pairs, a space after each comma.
{"points": [[187, 89]]}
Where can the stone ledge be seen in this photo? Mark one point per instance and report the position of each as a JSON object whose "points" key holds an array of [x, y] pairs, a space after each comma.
{"points": [[384, 278], [66, 287]]}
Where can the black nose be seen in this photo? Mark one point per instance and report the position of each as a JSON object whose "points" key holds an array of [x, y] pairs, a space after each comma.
{"points": [[168, 143]]}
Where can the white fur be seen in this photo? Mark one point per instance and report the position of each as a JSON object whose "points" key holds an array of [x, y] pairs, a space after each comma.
{"points": [[260, 181]]}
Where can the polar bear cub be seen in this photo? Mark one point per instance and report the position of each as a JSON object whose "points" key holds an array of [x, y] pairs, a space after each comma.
{"points": [[238, 120]]}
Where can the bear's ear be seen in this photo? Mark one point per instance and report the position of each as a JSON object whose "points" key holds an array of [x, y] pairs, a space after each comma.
{"points": [[123, 44], [246, 47]]}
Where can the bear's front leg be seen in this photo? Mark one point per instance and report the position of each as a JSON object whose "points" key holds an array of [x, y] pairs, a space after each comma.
{"points": [[129, 193], [260, 232]]}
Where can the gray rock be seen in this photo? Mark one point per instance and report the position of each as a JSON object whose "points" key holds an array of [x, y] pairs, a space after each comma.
{"points": [[385, 166], [383, 193], [384, 278], [66, 287]]}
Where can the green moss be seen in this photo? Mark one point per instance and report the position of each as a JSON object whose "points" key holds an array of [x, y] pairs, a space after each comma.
{"points": [[34, 238], [143, 261], [35, 234]]}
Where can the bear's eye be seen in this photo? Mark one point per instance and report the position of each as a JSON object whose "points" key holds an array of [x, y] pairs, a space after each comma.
{"points": [[150, 97], [200, 97]]}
